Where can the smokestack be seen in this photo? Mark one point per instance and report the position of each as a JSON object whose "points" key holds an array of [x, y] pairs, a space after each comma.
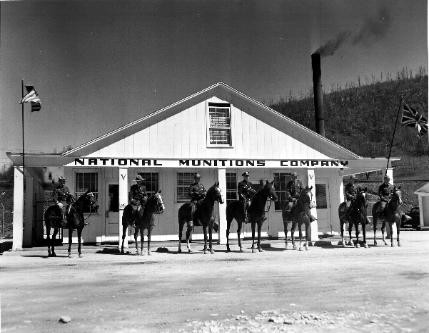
{"points": [[318, 93]]}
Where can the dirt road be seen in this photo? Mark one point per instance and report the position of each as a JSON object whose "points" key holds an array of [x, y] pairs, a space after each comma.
{"points": [[380, 289]]}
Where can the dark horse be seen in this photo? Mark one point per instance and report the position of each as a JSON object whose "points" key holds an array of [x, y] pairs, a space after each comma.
{"points": [[354, 215], [142, 218], [256, 211], [203, 216], [299, 214], [391, 214], [74, 220]]}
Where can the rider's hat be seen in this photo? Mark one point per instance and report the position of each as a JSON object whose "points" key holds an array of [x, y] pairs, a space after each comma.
{"points": [[386, 177], [197, 175], [245, 173], [61, 178], [139, 178]]}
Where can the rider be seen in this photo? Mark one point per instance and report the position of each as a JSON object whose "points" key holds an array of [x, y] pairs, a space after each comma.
{"points": [[294, 187], [196, 192], [62, 197], [245, 193], [385, 191], [138, 195]]}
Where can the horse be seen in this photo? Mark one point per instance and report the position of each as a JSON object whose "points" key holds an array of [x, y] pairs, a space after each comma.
{"points": [[344, 219], [203, 215], [142, 218], [391, 213], [53, 217], [358, 215], [234, 210], [299, 213], [256, 211]]}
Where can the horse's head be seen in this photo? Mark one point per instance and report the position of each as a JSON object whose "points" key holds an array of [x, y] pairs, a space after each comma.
{"points": [[270, 190], [361, 195], [397, 195], [214, 193], [159, 204], [90, 199]]}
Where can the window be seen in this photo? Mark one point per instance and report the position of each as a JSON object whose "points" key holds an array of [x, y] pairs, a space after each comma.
{"points": [[113, 205], [321, 196], [219, 124], [231, 187], [86, 181], [184, 179], [280, 182], [150, 181]]}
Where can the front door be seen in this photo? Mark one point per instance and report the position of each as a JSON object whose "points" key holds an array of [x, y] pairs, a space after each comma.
{"points": [[112, 211], [323, 206]]}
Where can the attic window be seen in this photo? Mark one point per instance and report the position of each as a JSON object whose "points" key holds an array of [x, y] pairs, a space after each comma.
{"points": [[219, 124]]}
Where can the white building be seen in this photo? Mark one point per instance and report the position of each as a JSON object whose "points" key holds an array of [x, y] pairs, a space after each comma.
{"points": [[218, 132], [423, 195]]}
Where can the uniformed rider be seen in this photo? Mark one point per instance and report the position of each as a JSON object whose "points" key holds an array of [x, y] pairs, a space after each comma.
{"points": [[294, 187], [385, 190], [196, 192], [62, 196], [350, 191], [137, 195], [245, 193]]}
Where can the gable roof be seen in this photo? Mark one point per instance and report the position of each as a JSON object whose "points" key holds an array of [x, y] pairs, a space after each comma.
{"points": [[423, 190], [238, 99]]}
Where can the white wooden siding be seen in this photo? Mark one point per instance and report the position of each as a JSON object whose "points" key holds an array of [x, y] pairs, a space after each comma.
{"points": [[183, 135]]}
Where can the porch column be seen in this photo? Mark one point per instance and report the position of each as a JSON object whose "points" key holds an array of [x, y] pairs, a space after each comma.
{"points": [[18, 208], [421, 209], [311, 182], [221, 177], [123, 201], [389, 173]]}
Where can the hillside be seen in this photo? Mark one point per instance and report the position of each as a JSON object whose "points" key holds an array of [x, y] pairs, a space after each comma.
{"points": [[361, 118]]}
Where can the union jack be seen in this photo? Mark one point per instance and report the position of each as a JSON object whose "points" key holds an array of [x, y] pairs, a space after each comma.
{"points": [[412, 118]]}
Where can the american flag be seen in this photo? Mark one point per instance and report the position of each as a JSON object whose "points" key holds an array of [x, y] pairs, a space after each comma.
{"points": [[412, 118], [33, 97]]}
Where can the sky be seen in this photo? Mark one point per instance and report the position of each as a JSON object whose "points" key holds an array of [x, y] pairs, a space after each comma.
{"points": [[98, 65]]}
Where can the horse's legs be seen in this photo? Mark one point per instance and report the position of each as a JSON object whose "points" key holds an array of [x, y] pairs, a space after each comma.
{"points": [[48, 239], [391, 233], [228, 225], [285, 230], [189, 229], [383, 227], [307, 234], [374, 227], [253, 236], [300, 235], [70, 240], [124, 233], [54, 236], [136, 242], [179, 249], [259, 235], [292, 233], [350, 233], [357, 233], [364, 233], [205, 238], [141, 240], [342, 233], [149, 235], [239, 225], [79, 241], [210, 236], [398, 229]]}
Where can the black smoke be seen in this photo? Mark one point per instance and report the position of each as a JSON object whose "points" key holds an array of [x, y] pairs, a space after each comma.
{"points": [[372, 30]]}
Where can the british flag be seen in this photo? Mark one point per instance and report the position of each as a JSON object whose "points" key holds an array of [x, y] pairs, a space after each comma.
{"points": [[412, 118]]}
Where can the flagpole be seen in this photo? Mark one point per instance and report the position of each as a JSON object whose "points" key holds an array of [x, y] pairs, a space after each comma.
{"points": [[394, 131], [22, 120]]}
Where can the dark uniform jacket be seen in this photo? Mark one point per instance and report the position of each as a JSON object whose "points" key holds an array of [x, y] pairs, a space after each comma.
{"points": [[197, 191], [245, 190], [138, 194], [61, 193], [294, 188], [350, 191], [385, 191]]}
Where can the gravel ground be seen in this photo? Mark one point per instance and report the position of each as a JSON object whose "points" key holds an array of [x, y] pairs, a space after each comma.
{"points": [[329, 288]]}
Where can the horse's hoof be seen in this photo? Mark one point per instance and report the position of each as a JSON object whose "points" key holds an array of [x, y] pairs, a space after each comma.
{"points": [[80, 255], [241, 250], [300, 249], [253, 250], [149, 253], [228, 249], [179, 250], [190, 251], [375, 243], [385, 243], [357, 245], [365, 245], [69, 255], [399, 244], [205, 251], [260, 250], [211, 252], [306, 248], [392, 245], [53, 254], [351, 243], [294, 247]]}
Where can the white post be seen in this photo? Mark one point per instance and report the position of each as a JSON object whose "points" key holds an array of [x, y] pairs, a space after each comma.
{"points": [[123, 201], [422, 223], [18, 208], [311, 182], [221, 177]]}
